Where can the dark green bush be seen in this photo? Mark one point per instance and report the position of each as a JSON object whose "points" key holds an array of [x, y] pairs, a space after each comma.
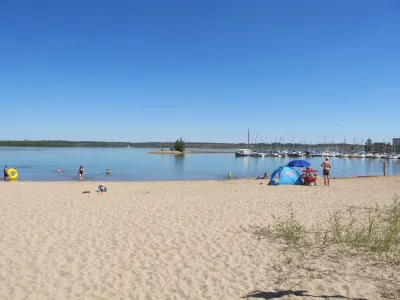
{"points": [[179, 145]]}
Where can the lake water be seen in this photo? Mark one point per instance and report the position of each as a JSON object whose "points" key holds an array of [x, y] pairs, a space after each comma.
{"points": [[40, 164]]}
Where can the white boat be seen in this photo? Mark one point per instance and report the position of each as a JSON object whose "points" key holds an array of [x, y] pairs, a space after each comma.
{"points": [[377, 155], [283, 154], [362, 155], [275, 154], [316, 154], [243, 152], [297, 154], [393, 156], [257, 154], [369, 155], [354, 155]]}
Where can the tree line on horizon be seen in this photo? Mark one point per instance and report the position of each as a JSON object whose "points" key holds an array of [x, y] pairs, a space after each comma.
{"points": [[368, 146]]}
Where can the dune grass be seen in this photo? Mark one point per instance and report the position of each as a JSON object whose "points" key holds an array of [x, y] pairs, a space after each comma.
{"points": [[372, 233]]}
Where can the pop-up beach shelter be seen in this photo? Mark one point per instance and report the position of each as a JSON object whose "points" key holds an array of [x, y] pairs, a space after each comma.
{"points": [[285, 175]]}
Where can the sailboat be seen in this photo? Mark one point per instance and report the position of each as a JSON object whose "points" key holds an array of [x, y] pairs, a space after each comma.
{"points": [[244, 152]]}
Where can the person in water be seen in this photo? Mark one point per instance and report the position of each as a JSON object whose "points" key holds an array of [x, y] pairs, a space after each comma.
{"points": [[6, 173], [384, 168], [326, 165], [59, 170], [108, 172], [81, 171]]}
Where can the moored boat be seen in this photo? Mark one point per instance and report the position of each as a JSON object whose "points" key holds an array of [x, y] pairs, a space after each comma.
{"points": [[296, 154], [243, 152], [257, 154]]}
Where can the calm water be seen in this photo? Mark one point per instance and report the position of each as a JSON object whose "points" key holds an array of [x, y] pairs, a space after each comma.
{"points": [[40, 164]]}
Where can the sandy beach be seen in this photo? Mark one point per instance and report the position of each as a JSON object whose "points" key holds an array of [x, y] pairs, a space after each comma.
{"points": [[172, 240]]}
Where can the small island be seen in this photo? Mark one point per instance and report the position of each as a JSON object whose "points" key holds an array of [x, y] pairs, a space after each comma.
{"points": [[180, 149]]}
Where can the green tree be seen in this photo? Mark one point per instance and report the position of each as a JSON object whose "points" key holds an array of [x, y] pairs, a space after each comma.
{"points": [[179, 145], [368, 145]]}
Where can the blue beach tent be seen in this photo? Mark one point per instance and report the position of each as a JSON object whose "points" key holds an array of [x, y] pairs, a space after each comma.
{"points": [[285, 175]]}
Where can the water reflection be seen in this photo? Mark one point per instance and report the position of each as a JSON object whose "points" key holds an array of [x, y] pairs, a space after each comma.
{"points": [[179, 164]]}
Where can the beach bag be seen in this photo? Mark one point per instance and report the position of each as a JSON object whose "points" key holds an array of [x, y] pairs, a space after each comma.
{"points": [[102, 188]]}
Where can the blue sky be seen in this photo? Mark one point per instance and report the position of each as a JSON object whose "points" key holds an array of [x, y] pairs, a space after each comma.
{"points": [[205, 70]]}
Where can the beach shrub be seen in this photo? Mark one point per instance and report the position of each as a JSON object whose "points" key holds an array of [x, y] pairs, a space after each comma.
{"points": [[179, 145], [371, 233]]}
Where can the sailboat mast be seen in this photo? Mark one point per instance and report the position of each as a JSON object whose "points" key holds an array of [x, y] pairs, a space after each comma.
{"points": [[248, 138]]}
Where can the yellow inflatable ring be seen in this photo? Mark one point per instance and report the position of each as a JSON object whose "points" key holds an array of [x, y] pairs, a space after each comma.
{"points": [[12, 173]]}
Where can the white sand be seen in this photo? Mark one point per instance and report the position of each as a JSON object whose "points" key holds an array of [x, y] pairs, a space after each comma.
{"points": [[168, 240]]}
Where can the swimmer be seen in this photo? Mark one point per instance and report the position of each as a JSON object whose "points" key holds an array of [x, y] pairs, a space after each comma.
{"points": [[6, 177], [81, 171], [59, 170], [108, 172]]}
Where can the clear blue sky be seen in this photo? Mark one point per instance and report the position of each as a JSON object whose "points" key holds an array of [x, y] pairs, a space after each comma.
{"points": [[205, 70]]}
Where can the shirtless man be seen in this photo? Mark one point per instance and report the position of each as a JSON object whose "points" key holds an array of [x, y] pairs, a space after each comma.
{"points": [[326, 165]]}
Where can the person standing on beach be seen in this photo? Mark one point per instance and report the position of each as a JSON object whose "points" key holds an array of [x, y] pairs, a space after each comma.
{"points": [[384, 168], [5, 173], [326, 168], [81, 171]]}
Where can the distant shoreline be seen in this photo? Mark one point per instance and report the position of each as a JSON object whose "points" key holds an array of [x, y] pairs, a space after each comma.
{"points": [[167, 145], [190, 152]]}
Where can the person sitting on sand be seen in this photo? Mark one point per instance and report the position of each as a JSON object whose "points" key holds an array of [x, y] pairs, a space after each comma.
{"points": [[265, 176], [108, 172]]}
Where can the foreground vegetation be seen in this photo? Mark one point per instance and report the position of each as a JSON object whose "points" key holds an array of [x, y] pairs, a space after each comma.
{"points": [[367, 234]]}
